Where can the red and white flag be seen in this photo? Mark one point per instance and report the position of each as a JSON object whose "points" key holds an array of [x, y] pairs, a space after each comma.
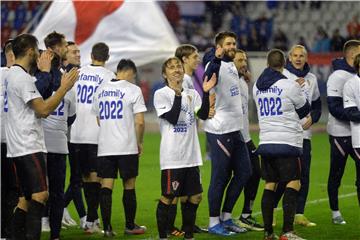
{"points": [[131, 29]]}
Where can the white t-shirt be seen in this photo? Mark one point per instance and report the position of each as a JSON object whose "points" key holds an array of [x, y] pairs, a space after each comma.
{"points": [[24, 132], [115, 104], [352, 99], [244, 92], [335, 86], [3, 101], [310, 91], [55, 125], [187, 82], [85, 129], [278, 121], [228, 106], [179, 147]]}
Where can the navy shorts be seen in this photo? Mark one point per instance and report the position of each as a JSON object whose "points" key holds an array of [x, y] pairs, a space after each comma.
{"points": [[126, 165]]}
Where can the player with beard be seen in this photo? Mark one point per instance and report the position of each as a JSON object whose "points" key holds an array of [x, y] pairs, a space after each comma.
{"points": [[55, 133], [230, 163], [74, 190], [24, 133], [48, 80], [54, 127], [252, 185], [338, 127]]}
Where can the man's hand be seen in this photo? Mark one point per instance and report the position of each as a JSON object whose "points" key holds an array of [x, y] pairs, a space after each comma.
{"points": [[219, 52], [307, 122], [212, 99], [301, 82], [247, 75], [209, 84], [44, 61], [68, 79], [140, 148]]}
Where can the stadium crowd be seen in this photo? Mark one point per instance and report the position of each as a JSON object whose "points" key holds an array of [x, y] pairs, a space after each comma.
{"points": [[49, 103]]}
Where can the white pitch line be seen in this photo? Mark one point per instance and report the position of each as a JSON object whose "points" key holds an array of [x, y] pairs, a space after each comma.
{"points": [[316, 201]]}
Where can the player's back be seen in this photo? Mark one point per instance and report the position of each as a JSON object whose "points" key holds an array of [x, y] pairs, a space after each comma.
{"points": [[85, 128], [276, 107], [115, 104], [55, 125]]}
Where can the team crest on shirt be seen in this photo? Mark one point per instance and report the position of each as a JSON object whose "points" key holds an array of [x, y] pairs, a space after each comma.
{"points": [[175, 185], [234, 90]]}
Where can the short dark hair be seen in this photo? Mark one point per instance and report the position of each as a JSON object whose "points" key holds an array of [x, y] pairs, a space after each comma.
{"points": [[220, 37], [126, 64], [22, 43], [8, 46], [69, 43], [100, 52], [276, 59], [53, 39], [351, 44], [357, 63], [184, 50]]}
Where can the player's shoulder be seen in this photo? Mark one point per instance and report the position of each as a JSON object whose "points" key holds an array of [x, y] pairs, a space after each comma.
{"points": [[339, 75], [311, 76]]}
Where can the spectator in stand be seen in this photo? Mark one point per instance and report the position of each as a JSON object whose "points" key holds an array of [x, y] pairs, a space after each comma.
{"points": [[243, 42], [263, 26], [353, 27], [217, 10], [20, 15], [322, 41], [280, 41], [240, 24], [337, 41], [254, 43], [302, 42]]}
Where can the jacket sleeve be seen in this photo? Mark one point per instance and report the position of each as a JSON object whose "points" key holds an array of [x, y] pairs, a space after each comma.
{"points": [[203, 112], [315, 110], [336, 108], [172, 116], [44, 84]]}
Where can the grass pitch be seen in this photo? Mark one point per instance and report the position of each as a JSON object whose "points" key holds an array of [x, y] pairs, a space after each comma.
{"points": [[317, 209]]}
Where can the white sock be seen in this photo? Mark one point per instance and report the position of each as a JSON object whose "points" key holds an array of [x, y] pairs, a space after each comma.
{"points": [[245, 215], [336, 214], [225, 216], [213, 221]]}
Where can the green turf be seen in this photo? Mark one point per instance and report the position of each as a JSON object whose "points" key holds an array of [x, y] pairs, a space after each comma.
{"points": [[148, 191]]}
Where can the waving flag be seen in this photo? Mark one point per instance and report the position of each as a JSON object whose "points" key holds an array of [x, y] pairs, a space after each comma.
{"points": [[135, 30]]}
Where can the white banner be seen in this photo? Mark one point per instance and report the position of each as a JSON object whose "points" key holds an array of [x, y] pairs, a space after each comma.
{"points": [[135, 30]]}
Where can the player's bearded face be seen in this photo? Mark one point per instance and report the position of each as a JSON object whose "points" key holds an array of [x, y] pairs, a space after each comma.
{"points": [[174, 73], [229, 46]]}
